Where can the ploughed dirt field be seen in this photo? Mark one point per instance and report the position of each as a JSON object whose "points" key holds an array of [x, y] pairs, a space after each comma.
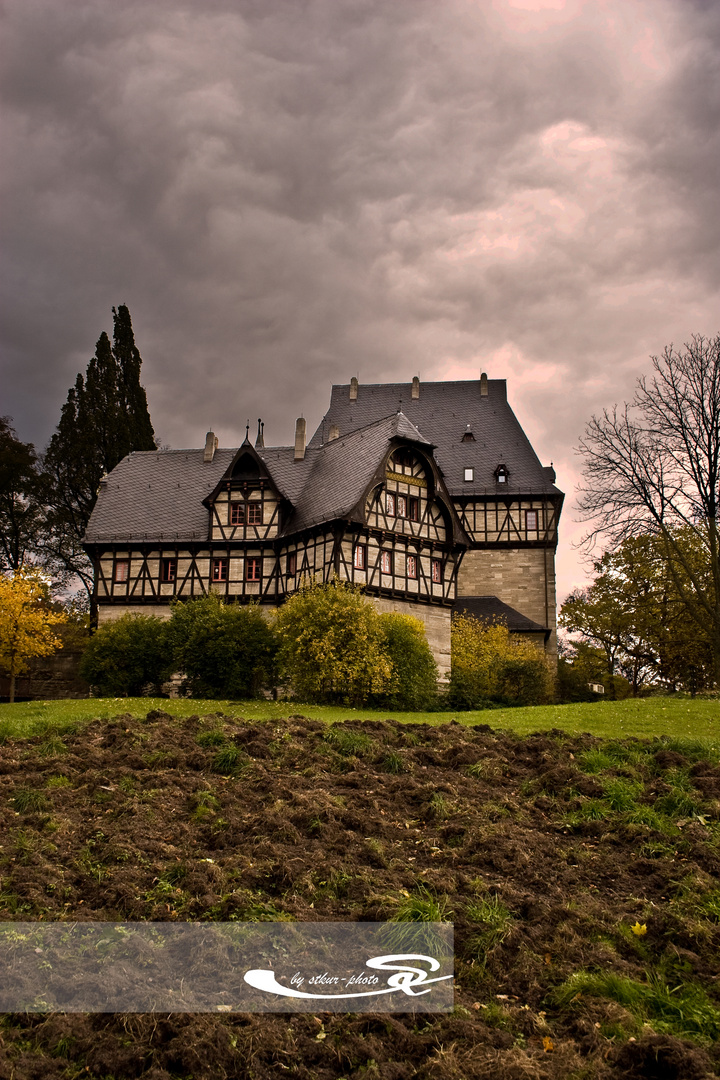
{"points": [[582, 878]]}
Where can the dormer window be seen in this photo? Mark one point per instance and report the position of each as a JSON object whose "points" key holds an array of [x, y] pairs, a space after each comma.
{"points": [[469, 474], [502, 474], [468, 435]]}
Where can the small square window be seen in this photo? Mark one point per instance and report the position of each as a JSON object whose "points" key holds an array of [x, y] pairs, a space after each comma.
{"points": [[122, 570], [359, 557], [386, 562], [412, 569], [436, 571], [220, 568], [252, 569], [254, 513], [413, 508], [531, 520], [168, 569], [292, 562], [390, 503], [237, 513], [469, 474]]}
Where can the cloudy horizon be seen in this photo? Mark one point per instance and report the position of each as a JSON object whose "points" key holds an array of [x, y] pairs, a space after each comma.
{"points": [[287, 193]]}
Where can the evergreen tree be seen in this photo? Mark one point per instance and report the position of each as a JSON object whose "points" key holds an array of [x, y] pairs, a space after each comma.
{"points": [[104, 418], [21, 507]]}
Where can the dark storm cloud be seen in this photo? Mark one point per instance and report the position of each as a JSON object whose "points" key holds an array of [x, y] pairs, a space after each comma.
{"points": [[289, 192]]}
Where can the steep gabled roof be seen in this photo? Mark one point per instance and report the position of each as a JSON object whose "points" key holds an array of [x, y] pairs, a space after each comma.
{"points": [[344, 468], [443, 412]]}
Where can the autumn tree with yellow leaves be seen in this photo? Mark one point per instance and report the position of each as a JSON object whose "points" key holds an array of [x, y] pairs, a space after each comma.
{"points": [[27, 624]]}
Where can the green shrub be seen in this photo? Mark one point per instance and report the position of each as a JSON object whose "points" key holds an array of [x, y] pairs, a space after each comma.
{"points": [[126, 655], [489, 665], [224, 650], [413, 685], [332, 645]]}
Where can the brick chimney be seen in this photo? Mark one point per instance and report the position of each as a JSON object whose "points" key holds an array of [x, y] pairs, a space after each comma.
{"points": [[353, 389], [415, 388], [483, 385]]}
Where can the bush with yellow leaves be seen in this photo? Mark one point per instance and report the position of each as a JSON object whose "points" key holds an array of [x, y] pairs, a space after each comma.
{"points": [[491, 667]]}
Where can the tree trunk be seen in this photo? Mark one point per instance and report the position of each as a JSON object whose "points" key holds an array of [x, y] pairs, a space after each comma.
{"points": [[12, 687]]}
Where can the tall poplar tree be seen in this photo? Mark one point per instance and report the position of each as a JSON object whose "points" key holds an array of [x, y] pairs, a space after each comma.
{"points": [[104, 418]]}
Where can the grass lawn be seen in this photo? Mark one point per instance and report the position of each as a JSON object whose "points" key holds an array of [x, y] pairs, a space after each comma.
{"points": [[643, 718]]}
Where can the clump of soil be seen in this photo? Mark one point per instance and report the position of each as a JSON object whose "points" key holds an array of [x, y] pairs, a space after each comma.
{"points": [[581, 878]]}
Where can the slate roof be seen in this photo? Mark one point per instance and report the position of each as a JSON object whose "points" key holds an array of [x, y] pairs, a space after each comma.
{"points": [[490, 609], [158, 494], [343, 468], [442, 412]]}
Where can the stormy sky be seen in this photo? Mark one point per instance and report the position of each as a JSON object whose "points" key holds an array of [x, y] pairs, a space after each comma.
{"points": [[289, 192]]}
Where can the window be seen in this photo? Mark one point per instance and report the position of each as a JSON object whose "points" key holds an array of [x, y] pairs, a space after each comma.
{"points": [[252, 569], [359, 557], [292, 562], [402, 506], [531, 520], [501, 474], [219, 570], [237, 513], [386, 562], [469, 474], [122, 570], [390, 503], [412, 566], [254, 513], [413, 508], [436, 571], [168, 568]]}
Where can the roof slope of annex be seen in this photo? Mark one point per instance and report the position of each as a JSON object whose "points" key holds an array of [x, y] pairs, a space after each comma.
{"points": [[157, 495], [443, 412]]}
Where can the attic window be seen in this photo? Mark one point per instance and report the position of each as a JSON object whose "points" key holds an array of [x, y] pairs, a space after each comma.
{"points": [[254, 513], [468, 435], [469, 474], [501, 474], [237, 513]]}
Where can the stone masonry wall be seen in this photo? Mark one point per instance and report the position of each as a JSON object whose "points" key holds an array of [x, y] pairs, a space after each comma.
{"points": [[437, 627], [524, 578]]}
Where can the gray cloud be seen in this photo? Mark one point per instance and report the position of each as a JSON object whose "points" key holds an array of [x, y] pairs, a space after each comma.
{"points": [[289, 192]]}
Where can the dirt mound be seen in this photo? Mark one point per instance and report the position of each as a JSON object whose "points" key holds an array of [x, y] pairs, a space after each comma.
{"points": [[581, 878]]}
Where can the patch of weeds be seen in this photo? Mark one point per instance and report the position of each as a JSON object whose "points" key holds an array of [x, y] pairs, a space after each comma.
{"points": [[590, 810], [411, 929], [336, 886], [393, 763], [89, 865], [595, 761], [228, 760], [692, 749], [684, 1010], [29, 801], [679, 804], [25, 844], [210, 738], [58, 782], [348, 743], [156, 759], [409, 738], [204, 805], [377, 849], [485, 770], [51, 747], [127, 785], [16, 905], [174, 874], [497, 1016], [622, 794], [648, 816], [440, 808], [656, 849], [495, 922], [697, 908]]}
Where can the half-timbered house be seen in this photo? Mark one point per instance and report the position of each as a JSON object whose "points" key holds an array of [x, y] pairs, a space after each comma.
{"points": [[426, 495]]}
